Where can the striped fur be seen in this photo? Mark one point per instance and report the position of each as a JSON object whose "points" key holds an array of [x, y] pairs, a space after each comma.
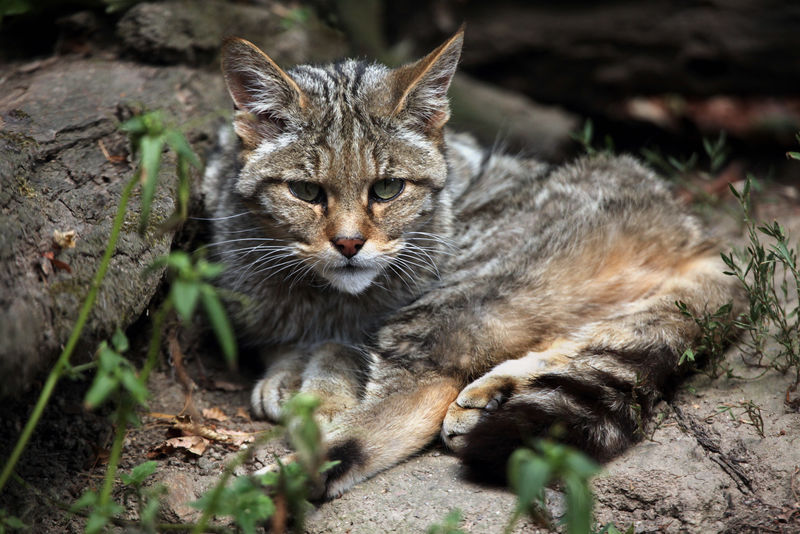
{"points": [[491, 299]]}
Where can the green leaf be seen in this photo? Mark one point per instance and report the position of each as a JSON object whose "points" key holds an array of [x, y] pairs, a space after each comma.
{"points": [[793, 155], [610, 528], [134, 386], [104, 384], [184, 296], [139, 473], [107, 358], [581, 465], [688, 355], [96, 523], [179, 260], [578, 515], [13, 522], [219, 322], [178, 143], [86, 500], [330, 464], [151, 147], [528, 474], [119, 341], [208, 270]]}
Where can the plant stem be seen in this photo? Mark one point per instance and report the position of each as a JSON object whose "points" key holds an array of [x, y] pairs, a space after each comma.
{"points": [[83, 316], [155, 341], [123, 415]]}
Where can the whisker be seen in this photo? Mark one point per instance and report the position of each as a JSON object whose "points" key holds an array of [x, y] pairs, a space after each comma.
{"points": [[220, 218]]}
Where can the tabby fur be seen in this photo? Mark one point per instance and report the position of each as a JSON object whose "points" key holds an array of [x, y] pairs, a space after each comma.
{"points": [[494, 297]]}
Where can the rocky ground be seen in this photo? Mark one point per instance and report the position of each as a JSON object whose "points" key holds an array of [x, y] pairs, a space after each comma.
{"points": [[722, 455]]}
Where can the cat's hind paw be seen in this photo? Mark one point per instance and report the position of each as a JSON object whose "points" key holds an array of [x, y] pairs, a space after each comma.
{"points": [[478, 400]]}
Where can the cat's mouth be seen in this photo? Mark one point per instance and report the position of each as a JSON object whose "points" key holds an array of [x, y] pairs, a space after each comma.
{"points": [[351, 278]]}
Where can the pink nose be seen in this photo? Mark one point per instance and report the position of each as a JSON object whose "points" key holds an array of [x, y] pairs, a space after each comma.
{"points": [[348, 246]]}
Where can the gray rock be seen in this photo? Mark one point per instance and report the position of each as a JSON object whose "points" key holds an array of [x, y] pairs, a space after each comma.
{"points": [[191, 32], [56, 122]]}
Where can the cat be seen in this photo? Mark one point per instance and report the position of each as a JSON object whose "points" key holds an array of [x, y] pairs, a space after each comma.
{"points": [[421, 285]]}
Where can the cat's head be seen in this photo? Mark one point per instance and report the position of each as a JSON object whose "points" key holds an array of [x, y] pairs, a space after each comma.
{"points": [[344, 163]]}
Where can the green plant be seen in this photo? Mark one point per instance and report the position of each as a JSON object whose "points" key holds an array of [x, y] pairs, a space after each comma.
{"points": [[675, 168], [717, 331], [147, 498], [794, 155], [450, 525], [246, 501], [750, 409], [10, 523], [770, 276], [531, 470], [585, 138]]}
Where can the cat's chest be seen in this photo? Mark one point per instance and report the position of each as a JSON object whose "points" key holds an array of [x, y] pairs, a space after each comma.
{"points": [[308, 317]]}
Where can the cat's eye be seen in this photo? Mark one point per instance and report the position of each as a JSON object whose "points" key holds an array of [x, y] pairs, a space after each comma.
{"points": [[387, 189], [308, 191]]}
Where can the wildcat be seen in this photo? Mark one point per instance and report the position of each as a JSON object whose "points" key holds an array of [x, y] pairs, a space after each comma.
{"points": [[420, 284]]}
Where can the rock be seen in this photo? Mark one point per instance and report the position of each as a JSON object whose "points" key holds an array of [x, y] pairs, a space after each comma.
{"points": [[56, 177], [191, 32], [182, 489]]}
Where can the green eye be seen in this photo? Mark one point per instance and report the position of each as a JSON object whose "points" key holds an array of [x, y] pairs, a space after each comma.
{"points": [[387, 189], [310, 192]]}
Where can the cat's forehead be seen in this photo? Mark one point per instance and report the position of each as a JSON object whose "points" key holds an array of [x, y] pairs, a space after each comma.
{"points": [[348, 82]]}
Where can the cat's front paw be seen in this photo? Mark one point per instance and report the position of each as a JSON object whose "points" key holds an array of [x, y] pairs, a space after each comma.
{"points": [[476, 401], [271, 392]]}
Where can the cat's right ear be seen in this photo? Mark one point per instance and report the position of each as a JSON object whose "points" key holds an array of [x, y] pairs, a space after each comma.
{"points": [[266, 98]]}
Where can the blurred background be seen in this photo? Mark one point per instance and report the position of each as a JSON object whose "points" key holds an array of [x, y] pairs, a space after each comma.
{"points": [[660, 74]]}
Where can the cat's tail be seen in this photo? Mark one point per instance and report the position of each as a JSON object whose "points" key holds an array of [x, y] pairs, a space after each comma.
{"points": [[599, 397]]}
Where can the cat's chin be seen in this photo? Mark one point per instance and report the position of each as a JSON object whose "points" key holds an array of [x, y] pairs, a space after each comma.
{"points": [[353, 280]]}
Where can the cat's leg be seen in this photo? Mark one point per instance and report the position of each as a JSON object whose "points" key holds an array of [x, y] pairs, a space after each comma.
{"points": [[334, 374], [330, 371], [401, 413], [597, 388], [282, 380]]}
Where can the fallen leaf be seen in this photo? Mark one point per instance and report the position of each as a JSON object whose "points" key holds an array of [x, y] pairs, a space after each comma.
{"points": [[65, 239], [58, 264], [241, 412], [214, 413], [237, 437], [196, 445]]}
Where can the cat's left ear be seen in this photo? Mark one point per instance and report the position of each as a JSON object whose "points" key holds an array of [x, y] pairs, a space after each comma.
{"points": [[421, 87], [266, 97]]}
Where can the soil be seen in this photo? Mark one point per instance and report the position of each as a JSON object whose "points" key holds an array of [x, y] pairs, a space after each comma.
{"points": [[704, 463]]}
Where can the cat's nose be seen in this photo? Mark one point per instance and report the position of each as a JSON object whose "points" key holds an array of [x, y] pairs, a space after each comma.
{"points": [[348, 246]]}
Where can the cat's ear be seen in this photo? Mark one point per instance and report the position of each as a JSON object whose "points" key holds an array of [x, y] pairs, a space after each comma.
{"points": [[421, 88], [266, 98]]}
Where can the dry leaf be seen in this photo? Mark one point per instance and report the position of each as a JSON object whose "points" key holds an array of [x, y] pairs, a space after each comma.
{"points": [[214, 413], [241, 412], [65, 239], [196, 445], [237, 437]]}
